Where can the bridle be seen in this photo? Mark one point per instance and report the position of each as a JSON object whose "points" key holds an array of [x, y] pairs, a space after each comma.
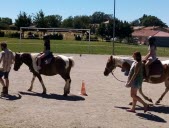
{"points": [[112, 72]]}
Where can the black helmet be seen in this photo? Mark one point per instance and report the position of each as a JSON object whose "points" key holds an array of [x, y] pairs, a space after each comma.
{"points": [[151, 39], [4, 45]]}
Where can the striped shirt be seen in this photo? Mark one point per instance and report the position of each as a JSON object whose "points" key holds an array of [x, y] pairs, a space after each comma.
{"points": [[7, 59]]}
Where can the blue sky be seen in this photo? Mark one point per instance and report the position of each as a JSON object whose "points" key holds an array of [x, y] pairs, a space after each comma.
{"points": [[128, 10]]}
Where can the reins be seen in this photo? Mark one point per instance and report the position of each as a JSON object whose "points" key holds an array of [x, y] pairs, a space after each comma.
{"points": [[117, 78], [113, 73]]}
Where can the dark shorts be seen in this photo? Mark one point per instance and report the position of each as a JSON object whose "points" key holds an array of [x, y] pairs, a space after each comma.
{"points": [[5, 74]]}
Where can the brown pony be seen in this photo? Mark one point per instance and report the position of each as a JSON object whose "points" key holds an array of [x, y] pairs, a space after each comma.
{"points": [[59, 65], [125, 64]]}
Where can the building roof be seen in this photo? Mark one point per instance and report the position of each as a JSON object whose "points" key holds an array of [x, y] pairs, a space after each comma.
{"points": [[144, 33], [148, 32], [162, 34]]}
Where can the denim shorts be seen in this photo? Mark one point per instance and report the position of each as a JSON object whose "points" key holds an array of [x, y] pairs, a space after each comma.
{"points": [[5, 74]]}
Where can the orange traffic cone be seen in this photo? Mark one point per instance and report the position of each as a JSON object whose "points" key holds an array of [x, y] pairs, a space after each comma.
{"points": [[83, 89]]}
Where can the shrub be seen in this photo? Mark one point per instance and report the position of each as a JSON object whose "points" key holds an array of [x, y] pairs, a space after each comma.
{"points": [[13, 35], [77, 37], [2, 34], [57, 36], [32, 35]]}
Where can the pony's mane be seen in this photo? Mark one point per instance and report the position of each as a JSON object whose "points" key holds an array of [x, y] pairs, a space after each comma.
{"points": [[120, 60]]}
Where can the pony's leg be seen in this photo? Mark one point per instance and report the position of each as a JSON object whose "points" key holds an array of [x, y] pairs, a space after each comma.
{"points": [[67, 84], [67, 87], [31, 87], [43, 86], [166, 90], [145, 97]]}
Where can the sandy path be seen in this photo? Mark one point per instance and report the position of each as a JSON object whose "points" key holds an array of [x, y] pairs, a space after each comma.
{"points": [[104, 107]]}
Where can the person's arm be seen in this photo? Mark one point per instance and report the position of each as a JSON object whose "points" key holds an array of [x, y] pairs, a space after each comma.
{"points": [[136, 70], [149, 53], [147, 56], [2, 56]]}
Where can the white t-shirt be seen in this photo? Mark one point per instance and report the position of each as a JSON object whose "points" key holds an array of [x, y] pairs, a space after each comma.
{"points": [[152, 49]]}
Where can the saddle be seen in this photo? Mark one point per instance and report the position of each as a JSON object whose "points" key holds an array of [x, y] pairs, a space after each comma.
{"points": [[46, 60], [155, 69]]}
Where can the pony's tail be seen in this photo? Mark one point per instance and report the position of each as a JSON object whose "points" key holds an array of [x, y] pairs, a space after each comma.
{"points": [[71, 61]]}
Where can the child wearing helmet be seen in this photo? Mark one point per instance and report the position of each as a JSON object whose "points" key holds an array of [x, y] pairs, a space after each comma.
{"points": [[151, 55]]}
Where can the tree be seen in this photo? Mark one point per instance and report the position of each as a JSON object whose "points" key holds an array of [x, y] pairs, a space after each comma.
{"points": [[81, 22], [148, 20], [135, 23], [99, 17], [126, 30], [122, 29], [68, 23], [102, 30], [53, 20], [6, 20], [152, 21], [3, 26], [5, 23], [39, 20], [23, 20]]}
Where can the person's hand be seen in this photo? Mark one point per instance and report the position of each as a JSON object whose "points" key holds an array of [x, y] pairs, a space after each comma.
{"points": [[128, 85]]}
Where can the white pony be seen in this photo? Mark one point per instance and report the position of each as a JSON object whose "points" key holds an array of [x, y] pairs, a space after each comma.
{"points": [[159, 72]]}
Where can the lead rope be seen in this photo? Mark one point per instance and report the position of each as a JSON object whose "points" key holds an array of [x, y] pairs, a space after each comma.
{"points": [[117, 78]]}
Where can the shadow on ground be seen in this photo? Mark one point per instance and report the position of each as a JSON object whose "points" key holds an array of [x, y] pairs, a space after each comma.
{"points": [[12, 97], [70, 97], [149, 115], [157, 108]]}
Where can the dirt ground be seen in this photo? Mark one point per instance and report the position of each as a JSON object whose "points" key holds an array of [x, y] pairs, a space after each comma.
{"points": [[104, 107]]}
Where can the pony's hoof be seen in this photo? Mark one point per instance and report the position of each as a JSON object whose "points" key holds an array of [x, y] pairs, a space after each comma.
{"points": [[158, 102], [150, 100], [65, 95], [30, 90], [43, 93]]}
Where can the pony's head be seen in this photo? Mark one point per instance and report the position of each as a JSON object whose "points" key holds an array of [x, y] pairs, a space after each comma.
{"points": [[18, 61], [109, 66]]}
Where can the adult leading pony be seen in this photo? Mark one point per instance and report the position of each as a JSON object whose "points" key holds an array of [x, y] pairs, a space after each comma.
{"points": [[59, 65], [125, 64]]}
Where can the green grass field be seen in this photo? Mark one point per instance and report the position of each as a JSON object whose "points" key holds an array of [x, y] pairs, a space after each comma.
{"points": [[79, 47]]}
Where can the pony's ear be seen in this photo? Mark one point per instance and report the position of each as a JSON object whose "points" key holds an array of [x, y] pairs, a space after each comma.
{"points": [[17, 52], [111, 57]]}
